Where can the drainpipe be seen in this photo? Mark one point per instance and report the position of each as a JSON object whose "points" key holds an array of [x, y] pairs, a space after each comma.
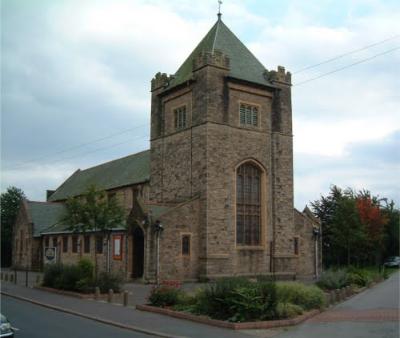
{"points": [[316, 234]]}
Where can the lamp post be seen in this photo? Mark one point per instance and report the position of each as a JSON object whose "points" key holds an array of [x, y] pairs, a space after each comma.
{"points": [[316, 235], [158, 229]]}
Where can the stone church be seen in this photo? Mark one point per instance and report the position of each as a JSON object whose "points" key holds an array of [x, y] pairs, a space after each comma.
{"points": [[212, 197]]}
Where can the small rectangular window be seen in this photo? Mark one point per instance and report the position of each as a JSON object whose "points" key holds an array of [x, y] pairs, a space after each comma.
{"points": [[54, 242], [46, 241], [296, 245], [248, 115], [65, 243], [99, 244], [86, 244], [185, 245], [180, 118], [74, 244]]}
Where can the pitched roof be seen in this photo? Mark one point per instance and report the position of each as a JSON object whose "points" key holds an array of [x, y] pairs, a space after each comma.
{"points": [[125, 171], [243, 64], [44, 215]]}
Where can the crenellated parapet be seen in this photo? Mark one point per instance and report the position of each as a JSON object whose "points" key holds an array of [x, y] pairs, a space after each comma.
{"points": [[215, 58], [280, 76], [160, 80]]}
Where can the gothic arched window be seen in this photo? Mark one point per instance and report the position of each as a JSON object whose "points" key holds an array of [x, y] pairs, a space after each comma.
{"points": [[248, 204]]}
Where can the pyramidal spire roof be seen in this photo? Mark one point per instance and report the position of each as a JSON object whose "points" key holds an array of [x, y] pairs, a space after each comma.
{"points": [[243, 64]]}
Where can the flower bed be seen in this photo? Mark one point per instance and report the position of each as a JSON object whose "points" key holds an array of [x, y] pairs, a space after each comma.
{"points": [[238, 300]]}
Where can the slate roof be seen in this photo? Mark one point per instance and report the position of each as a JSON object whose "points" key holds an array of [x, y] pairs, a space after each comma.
{"points": [[243, 64], [45, 215], [125, 171]]}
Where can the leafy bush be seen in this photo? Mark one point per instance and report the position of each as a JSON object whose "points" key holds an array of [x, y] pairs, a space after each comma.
{"points": [[164, 296], [52, 272], [68, 278], [288, 310], [333, 279], [307, 297], [237, 299], [109, 280], [86, 268]]}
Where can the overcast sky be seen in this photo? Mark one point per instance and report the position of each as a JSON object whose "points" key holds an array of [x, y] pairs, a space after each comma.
{"points": [[76, 80]]}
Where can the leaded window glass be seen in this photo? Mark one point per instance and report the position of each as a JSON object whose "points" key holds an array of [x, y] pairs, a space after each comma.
{"points": [[248, 205]]}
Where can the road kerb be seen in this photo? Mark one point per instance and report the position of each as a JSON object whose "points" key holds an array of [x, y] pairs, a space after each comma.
{"points": [[97, 319]]}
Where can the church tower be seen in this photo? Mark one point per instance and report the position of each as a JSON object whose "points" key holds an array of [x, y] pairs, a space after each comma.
{"points": [[222, 160]]}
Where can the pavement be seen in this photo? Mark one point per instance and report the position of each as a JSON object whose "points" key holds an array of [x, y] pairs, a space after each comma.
{"points": [[371, 314]]}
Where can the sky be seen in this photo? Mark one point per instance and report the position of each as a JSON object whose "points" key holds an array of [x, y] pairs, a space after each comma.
{"points": [[75, 83]]}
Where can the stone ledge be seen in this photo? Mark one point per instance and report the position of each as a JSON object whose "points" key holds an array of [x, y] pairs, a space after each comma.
{"points": [[234, 326]]}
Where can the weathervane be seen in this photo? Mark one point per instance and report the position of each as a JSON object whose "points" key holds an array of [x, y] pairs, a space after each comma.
{"points": [[219, 9]]}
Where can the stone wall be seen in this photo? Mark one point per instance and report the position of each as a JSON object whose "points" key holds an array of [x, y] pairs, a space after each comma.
{"points": [[305, 226], [202, 160]]}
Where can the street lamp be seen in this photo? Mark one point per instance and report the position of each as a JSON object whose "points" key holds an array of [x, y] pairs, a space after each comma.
{"points": [[158, 229]]}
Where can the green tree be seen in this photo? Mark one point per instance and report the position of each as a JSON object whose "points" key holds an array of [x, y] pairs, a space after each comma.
{"points": [[9, 202], [93, 211], [391, 238]]}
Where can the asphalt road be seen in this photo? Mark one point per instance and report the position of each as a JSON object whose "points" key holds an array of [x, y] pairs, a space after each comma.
{"points": [[34, 321]]}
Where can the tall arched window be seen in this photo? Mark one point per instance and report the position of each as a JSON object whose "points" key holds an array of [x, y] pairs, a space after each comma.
{"points": [[248, 204]]}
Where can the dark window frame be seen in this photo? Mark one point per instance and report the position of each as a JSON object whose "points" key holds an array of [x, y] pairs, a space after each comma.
{"points": [[99, 244], [296, 245], [65, 243], [186, 245], [248, 205], [180, 118], [75, 240], [86, 244]]}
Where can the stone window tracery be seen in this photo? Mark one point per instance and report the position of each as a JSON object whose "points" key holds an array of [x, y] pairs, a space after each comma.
{"points": [[180, 117], [248, 205]]}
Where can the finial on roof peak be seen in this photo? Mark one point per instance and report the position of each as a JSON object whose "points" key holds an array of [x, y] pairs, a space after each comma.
{"points": [[219, 9]]}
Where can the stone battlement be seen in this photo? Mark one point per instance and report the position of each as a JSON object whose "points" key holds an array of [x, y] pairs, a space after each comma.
{"points": [[215, 58], [160, 80], [280, 75]]}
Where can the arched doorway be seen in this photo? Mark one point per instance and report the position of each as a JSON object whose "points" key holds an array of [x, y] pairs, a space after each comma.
{"points": [[138, 253]]}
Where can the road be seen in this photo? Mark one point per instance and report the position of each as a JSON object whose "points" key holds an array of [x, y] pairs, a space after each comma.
{"points": [[35, 321], [371, 314]]}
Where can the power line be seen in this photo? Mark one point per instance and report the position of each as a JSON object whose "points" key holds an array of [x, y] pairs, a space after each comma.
{"points": [[98, 149], [348, 66], [346, 54], [78, 146]]}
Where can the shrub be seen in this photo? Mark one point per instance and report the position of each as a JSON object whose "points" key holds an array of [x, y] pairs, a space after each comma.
{"points": [[164, 296], [86, 268], [333, 279], [109, 280], [70, 275], [52, 272], [288, 310], [307, 297], [237, 299]]}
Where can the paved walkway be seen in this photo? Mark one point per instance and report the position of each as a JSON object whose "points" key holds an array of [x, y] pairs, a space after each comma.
{"points": [[373, 313]]}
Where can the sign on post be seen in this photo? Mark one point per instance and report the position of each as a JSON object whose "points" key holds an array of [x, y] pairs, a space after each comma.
{"points": [[50, 254]]}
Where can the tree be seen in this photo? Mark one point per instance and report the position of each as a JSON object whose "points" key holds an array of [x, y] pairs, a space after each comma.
{"points": [[357, 228], [93, 211], [10, 202]]}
